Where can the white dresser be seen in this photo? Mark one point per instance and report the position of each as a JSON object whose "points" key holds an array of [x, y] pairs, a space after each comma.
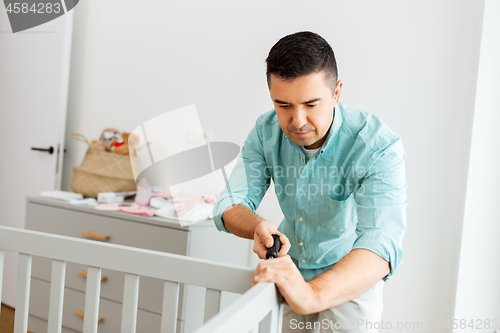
{"points": [[201, 240]]}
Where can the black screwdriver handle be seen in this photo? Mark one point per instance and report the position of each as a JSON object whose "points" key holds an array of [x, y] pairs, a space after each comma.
{"points": [[272, 252]]}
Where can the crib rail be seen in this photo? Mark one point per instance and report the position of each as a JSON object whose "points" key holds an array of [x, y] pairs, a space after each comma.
{"points": [[261, 302], [244, 316]]}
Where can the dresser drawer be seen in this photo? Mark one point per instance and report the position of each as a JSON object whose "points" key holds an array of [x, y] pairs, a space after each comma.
{"points": [[72, 223], [74, 301]]}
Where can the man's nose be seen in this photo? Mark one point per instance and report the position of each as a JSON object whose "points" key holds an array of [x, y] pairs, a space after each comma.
{"points": [[299, 119]]}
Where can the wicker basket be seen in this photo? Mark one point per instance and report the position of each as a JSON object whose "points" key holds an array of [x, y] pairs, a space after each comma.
{"points": [[101, 171]]}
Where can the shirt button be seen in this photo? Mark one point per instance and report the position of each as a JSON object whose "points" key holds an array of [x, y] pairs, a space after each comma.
{"points": [[301, 244], [301, 219], [303, 260]]}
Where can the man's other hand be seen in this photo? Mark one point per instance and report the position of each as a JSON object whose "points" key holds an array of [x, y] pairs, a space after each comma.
{"points": [[263, 239], [298, 294]]}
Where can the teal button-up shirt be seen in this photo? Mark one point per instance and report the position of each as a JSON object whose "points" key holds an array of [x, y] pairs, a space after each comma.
{"points": [[350, 195]]}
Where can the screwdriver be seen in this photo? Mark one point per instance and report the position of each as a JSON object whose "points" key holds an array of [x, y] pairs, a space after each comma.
{"points": [[272, 252]]}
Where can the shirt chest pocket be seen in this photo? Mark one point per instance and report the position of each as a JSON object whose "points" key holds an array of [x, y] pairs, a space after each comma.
{"points": [[338, 216]]}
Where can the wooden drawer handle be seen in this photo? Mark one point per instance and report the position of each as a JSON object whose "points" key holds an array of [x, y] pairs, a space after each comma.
{"points": [[83, 274], [81, 314], [94, 235]]}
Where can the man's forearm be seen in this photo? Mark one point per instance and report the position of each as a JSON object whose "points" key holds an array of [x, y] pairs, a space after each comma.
{"points": [[354, 274], [241, 221]]}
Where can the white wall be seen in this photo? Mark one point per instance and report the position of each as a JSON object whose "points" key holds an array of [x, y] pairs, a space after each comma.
{"points": [[478, 288], [413, 63]]}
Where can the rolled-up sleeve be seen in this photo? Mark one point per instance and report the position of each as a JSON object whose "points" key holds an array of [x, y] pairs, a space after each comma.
{"points": [[248, 181], [381, 205]]}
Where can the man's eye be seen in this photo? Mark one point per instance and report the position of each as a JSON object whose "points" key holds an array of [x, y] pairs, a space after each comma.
{"points": [[283, 106], [311, 105]]}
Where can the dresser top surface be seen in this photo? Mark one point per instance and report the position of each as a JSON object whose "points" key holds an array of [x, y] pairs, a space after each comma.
{"points": [[154, 220]]}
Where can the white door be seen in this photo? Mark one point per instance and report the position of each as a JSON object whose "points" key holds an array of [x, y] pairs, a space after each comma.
{"points": [[34, 74]]}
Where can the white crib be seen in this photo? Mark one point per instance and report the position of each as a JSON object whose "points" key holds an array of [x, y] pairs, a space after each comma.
{"points": [[259, 309]]}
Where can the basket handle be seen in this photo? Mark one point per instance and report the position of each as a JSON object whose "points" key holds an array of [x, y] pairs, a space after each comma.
{"points": [[80, 137]]}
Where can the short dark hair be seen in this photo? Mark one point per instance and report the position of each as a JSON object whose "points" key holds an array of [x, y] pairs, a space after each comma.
{"points": [[299, 54]]}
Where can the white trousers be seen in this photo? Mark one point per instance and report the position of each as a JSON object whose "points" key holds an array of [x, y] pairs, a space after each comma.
{"points": [[360, 315]]}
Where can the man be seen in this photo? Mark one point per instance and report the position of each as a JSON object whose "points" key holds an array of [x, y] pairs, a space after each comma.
{"points": [[340, 182]]}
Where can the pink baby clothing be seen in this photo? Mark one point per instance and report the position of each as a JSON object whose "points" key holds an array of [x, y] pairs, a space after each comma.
{"points": [[113, 207], [164, 195], [138, 210]]}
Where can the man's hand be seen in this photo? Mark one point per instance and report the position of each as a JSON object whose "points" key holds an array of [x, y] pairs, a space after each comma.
{"points": [[262, 239], [299, 294]]}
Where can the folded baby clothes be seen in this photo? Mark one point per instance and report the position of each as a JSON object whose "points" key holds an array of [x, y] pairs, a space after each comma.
{"points": [[138, 210], [210, 197], [113, 207], [86, 201], [164, 194], [196, 213], [158, 202]]}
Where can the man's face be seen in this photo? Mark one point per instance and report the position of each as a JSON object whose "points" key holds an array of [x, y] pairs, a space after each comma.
{"points": [[304, 107]]}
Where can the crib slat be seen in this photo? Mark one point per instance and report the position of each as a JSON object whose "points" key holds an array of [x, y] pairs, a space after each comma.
{"points": [[170, 305], [212, 303], [93, 291], [1, 275], [272, 322], [265, 324], [279, 317], [23, 293], [56, 296], [130, 300]]}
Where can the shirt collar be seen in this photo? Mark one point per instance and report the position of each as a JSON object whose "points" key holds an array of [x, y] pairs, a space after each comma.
{"points": [[334, 129]]}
